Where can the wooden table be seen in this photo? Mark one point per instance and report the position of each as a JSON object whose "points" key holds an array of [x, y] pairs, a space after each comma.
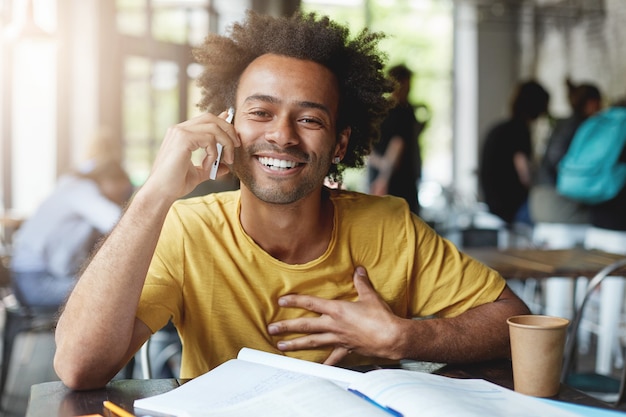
{"points": [[545, 263], [52, 399]]}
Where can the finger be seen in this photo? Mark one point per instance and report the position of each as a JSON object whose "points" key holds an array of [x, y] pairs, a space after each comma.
{"points": [[362, 283], [223, 170], [211, 153], [366, 291], [229, 127], [215, 127], [200, 136], [311, 341], [200, 174], [228, 154], [307, 302], [299, 325], [228, 151], [337, 356]]}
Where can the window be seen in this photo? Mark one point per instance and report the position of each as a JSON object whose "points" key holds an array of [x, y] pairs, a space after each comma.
{"points": [[28, 118], [158, 87]]}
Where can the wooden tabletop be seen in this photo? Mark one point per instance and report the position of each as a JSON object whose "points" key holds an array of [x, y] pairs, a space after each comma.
{"points": [[51, 399], [544, 263]]}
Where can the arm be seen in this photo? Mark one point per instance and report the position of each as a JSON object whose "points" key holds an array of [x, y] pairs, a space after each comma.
{"points": [[522, 166], [478, 334], [97, 332], [386, 165]]}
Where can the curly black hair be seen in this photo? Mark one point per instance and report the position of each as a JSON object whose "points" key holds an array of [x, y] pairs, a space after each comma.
{"points": [[357, 63]]}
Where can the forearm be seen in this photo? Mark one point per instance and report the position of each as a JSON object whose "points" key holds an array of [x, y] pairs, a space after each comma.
{"points": [[389, 162], [476, 335], [94, 335], [522, 167]]}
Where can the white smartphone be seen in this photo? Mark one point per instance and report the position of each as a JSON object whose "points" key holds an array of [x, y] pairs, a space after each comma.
{"points": [[216, 164]]}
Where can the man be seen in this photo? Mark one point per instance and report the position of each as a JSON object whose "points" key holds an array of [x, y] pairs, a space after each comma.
{"points": [[282, 265], [395, 161], [506, 163]]}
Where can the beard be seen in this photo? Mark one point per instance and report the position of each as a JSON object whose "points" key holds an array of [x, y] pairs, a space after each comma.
{"points": [[280, 190]]}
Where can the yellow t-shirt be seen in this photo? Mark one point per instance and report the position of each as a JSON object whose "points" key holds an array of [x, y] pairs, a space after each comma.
{"points": [[220, 289]]}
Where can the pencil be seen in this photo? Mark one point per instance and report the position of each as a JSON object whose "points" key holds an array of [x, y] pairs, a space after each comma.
{"points": [[117, 410]]}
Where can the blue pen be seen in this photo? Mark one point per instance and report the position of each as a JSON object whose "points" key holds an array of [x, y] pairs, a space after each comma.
{"points": [[389, 410]]}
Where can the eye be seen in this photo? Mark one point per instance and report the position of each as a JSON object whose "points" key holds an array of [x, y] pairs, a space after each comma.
{"points": [[312, 122], [259, 114]]}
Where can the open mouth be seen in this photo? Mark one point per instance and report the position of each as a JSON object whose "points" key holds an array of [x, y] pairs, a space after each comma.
{"points": [[277, 164]]}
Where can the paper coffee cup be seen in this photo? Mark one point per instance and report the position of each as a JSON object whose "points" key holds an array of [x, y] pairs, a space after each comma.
{"points": [[537, 345]]}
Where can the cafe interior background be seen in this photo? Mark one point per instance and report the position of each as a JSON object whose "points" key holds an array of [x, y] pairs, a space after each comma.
{"points": [[70, 68]]}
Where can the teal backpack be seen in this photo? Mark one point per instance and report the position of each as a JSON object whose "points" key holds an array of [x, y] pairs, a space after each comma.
{"points": [[590, 171]]}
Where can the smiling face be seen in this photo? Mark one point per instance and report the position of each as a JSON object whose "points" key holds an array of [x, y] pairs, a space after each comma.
{"points": [[286, 118]]}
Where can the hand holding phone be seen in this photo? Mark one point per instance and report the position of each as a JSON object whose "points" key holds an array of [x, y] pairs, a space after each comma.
{"points": [[216, 163]]}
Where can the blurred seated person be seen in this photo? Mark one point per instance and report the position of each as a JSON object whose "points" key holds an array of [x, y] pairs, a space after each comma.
{"points": [[52, 244], [546, 205], [506, 169]]}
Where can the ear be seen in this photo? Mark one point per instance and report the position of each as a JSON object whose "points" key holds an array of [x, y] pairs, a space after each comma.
{"points": [[342, 142]]}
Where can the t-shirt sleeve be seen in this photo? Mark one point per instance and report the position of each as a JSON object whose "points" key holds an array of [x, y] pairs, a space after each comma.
{"points": [[161, 298], [449, 282]]}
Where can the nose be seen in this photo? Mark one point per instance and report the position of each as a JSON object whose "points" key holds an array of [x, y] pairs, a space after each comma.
{"points": [[282, 132]]}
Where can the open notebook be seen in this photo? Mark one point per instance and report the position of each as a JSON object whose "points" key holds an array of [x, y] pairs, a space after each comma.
{"points": [[261, 384]]}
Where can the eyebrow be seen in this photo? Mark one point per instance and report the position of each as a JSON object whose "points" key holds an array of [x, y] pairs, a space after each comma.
{"points": [[274, 100]]}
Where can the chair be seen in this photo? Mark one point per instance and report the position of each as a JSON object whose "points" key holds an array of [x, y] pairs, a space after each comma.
{"points": [[609, 302], [605, 387], [19, 318], [559, 292], [160, 355]]}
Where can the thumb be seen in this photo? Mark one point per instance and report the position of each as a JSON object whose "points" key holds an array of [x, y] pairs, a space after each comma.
{"points": [[362, 282]]}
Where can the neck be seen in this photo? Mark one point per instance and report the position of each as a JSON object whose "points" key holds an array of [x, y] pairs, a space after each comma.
{"points": [[293, 233]]}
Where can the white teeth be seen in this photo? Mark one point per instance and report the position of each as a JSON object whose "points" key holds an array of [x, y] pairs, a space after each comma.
{"points": [[274, 163]]}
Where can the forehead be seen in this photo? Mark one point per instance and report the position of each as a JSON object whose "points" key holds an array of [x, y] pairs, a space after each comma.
{"points": [[289, 79]]}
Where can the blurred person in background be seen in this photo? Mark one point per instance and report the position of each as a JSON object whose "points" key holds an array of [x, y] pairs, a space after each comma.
{"points": [[545, 204], [395, 161], [506, 164], [51, 245], [608, 219], [559, 222]]}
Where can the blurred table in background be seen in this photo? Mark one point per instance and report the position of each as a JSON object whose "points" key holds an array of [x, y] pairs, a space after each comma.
{"points": [[545, 263], [540, 264]]}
